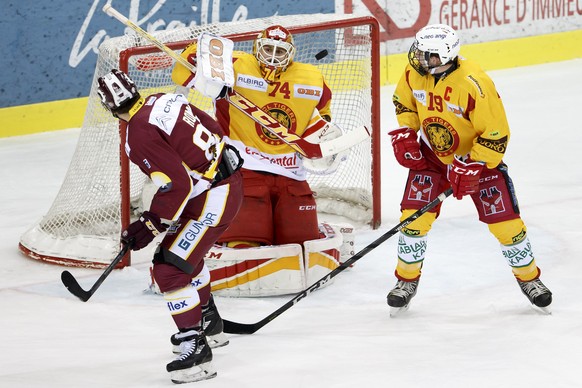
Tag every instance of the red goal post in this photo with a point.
(102, 192)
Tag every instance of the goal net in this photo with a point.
(102, 192)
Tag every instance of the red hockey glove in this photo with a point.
(143, 231)
(407, 149)
(464, 176)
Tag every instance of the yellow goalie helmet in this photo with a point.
(274, 48)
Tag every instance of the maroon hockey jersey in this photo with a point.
(178, 146)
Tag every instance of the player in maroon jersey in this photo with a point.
(182, 150)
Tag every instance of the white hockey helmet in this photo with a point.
(274, 48)
(117, 91)
(433, 41)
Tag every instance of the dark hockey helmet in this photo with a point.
(434, 46)
(117, 91)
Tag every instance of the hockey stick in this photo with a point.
(250, 328)
(311, 150)
(73, 285)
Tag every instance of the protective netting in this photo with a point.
(83, 225)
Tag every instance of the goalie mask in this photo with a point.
(274, 48)
(435, 46)
(117, 91)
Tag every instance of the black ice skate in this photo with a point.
(212, 326)
(399, 298)
(195, 360)
(537, 293)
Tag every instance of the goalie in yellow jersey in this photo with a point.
(454, 107)
(278, 206)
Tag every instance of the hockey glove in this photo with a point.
(143, 231)
(464, 176)
(407, 149)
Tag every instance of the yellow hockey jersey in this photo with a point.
(459, 114)
(292, 100)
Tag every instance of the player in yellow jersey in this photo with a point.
(453, 106)
(279, 206)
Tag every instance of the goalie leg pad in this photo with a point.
(256, 271)
(347, 231)
(322, 255)
(274, 270)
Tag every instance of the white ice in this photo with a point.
(469, 325)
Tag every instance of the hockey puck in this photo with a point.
(320, 55)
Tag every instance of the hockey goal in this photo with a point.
(102, 192)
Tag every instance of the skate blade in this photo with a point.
(217, 341)
(542, 310)
(396, 311)
(196, 373)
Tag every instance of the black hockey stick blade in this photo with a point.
(250, 328)
(241, 328)
(75, 288)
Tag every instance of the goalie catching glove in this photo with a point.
(320, 131)
(464, 176)
(143, 231)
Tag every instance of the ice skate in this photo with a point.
(212, 326)
(537, 293)
(195, 360)
(399, 298)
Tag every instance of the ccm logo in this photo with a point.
(309, 92)
(465, 171)
(309, 207)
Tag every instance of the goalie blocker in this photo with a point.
(278, 269)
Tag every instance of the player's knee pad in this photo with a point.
(508, 232)
(166, 277)
(419, 227)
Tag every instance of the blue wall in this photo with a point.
(49, 48)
